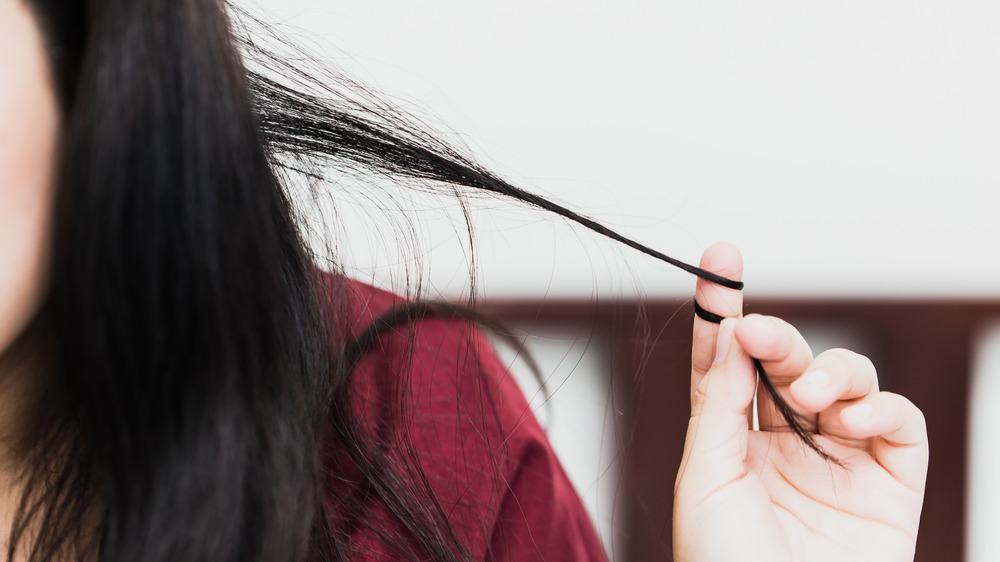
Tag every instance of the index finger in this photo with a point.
(724, 259)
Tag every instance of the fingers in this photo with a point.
(784, 354)
(839, 392)
(725, 260)
(899, 432)
(834, 381)
(717, 430)
(841, 388)
(838, 374)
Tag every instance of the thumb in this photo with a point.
(718, 425)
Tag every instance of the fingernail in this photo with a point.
(858, 413)
(816, 379)
(722, 343)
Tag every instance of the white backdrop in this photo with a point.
(848, 148)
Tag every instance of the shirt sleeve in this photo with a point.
(465, 422)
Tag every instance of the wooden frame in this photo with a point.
(922, 350)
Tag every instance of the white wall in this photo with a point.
(850, 148)
(983, 486)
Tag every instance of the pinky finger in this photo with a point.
(900, 431)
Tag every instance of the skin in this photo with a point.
(29, 132)
(29, 127)
(762, 495)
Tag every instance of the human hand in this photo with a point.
(763, 495)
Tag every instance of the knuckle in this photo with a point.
(836, 361)
(847, 361)
(701, 365)
(865, 364)
(840, 354)
(698, 396)
(909, 410)
(855, 373)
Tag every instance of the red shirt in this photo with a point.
(485, 457)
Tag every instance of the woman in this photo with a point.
(180, 383)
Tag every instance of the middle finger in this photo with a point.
(784, 355)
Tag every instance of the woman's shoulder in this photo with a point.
(437, 391)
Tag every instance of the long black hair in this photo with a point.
(192, 354)
(190, 344)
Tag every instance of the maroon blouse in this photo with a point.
(484, 454)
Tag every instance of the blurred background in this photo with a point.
(849, 149)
